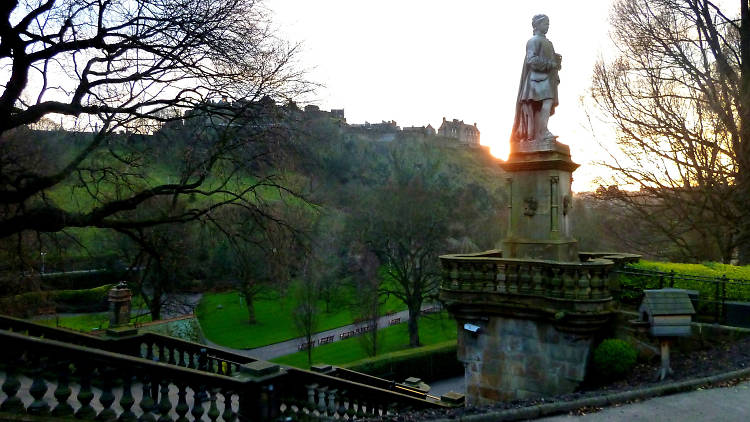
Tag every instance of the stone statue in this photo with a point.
(537, 93)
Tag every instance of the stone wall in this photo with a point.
(516, 359)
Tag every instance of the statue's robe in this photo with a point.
(539, 81)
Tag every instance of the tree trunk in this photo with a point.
(413, 327)
(250, 310)
(155, 304)
(309, 350)
(743, 160)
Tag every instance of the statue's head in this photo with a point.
(540, 23)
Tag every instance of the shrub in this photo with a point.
(614, 358)
(34, 303)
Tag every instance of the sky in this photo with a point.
(417, 61)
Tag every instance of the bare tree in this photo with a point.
(306, 314)
(679, 97)
(115, 67)
(406, 227)
(367, 302)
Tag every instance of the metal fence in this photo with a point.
(713, 298)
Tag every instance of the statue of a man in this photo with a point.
(537, 93)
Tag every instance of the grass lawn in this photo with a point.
(436, 328)
(227, 324)
(83, 322)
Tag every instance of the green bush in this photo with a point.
(85, 300)
(434, 362)
(614, 358)
(35, 303)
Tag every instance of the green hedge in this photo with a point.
(632, 285)
(434, 362)
(35, 303)
(79, 279)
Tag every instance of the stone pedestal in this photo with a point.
(539, 187)
(518, 359)
(532, 309)
(119, 305)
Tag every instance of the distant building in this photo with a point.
(338, 114)
(457, 129)
(383, 126)
(422, 130)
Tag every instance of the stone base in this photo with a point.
(513, 359)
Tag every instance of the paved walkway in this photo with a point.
(275, 350)
(716, 404)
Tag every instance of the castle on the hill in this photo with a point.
(466, 134)
(266, 112)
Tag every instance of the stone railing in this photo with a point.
(156, 377)
(574, 295)
(569, 280)
(150, 346)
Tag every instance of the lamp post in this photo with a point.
(42, 254)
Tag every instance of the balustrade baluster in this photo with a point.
(341, 409)
(322, 408)
(149, 351)
(597, 285)
(524, 279)
(584, 288)
(12, 403)
(160, 352)
(229, 415)
(454, 276)
(62, 392)
(127, 401)
(182, 407)
(360, 408)
(332, 402)
(569, 283)
(511, 278)
(38, 388)
(85, 395)
(366, 408)
(351, 412)
(148, 403)
(311, 393)
(199, 396)
(501, 281)
(165, 405)
(556, 282)
(213, 411)
(106, 398)
(537, 281)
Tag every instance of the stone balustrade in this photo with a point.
(563, 291)
(575, 280)
(148, 377)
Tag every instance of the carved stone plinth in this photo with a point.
(540, 200)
